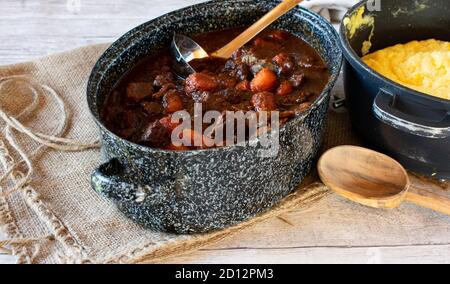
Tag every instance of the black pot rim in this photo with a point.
(132, 33)
(354, 59)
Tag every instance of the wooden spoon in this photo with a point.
(184, 49)
(373, 179)
(256, 28)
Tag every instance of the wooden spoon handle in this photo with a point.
(429, 200)
(255, 29)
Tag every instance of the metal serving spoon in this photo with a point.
(374, 180)
(184, 49)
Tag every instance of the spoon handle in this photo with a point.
(256, 28)
(429, 200)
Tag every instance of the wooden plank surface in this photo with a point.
(333, 230)
(32, 28)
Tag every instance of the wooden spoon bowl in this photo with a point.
(373, 179)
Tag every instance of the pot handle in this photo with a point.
(384, 110)
(109, 180)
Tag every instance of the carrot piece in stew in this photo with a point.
(265, 81)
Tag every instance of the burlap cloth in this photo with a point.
(47, 208)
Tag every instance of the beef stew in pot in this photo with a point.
(276, 71)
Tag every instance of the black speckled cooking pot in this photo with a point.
(410, 126)
(198, 191)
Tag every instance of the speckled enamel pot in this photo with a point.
(199, 191)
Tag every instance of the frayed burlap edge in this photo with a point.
(22, 248)
(9, 227)
(27, 249)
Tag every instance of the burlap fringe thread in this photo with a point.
(27, 249)
(21, 180)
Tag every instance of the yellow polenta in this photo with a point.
(420, 65)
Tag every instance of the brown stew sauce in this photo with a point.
(276, 71)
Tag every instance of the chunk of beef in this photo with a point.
(163, 79)
(232, 96)
(264, 101)
(200, 97)
(138, 91)
(200, 82)
(285, 88)
(297, 79)
(168, 124)
(172, 102)
(155, 135)
(152, 109)
(284, 62)
(226, 82)
(164, 90)
(236, 68)
(256, 64)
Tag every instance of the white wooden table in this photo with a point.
(332, 231)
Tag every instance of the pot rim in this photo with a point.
(354, 59)
(331, 31)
